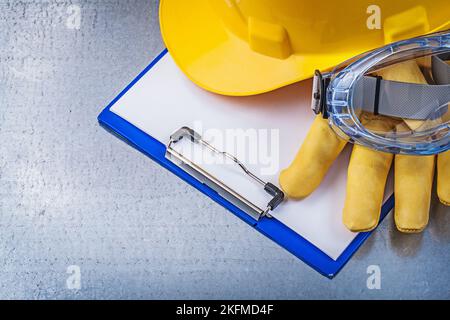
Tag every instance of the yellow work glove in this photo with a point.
(368, 170)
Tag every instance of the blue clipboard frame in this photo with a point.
(271, 228)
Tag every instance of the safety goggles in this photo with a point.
(393, 99)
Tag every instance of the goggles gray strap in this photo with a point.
(405, 100)
(440, 69)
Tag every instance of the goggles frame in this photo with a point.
(333, 97)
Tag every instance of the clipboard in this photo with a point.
(276, 228)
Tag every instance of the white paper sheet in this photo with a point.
(165, 100)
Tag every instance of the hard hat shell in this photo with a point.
(246, 47)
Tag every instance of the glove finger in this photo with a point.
(413, 186)
(319, 150)
(443, 177)
(367, 175)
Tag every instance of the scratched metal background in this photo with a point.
(72, 194)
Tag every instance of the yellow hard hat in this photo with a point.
(246, 47)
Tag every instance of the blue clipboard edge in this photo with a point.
(271, 228)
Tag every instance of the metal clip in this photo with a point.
(218, 185)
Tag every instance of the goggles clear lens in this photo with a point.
(395, 99)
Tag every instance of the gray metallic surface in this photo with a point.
(73, 194)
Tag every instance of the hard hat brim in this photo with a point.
(221, 62)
